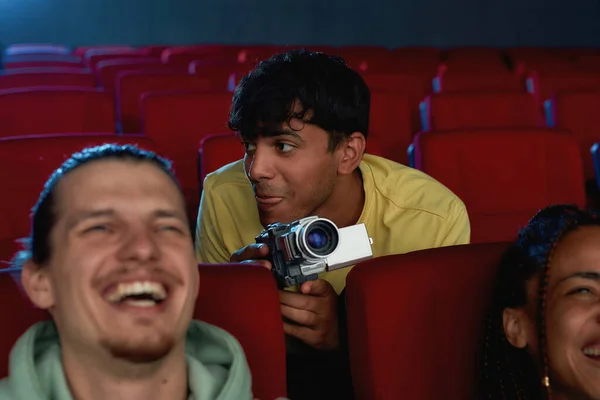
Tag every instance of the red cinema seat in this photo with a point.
(579, 112)
(223, 301)
(33, 77)
(42, 61)
(26, 162)
(50, 109)
(216, 151)
(544, 85)
(131, 85)
(107, 71)
(177, 122)
(390, 125)
(479, 110)
(416, 316)
(460, 81)
(504, 176)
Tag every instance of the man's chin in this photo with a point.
(141, 351)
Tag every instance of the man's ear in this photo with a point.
(515, 322)
(37, 284)
(352, 151)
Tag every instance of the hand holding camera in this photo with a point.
(301, 250)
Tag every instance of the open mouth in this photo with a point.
(592, 352)
(142, 294)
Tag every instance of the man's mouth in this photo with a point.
(141, 294)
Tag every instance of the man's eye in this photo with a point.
(284, 147)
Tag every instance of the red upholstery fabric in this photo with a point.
(503, 176)
(225, 291)
(415, 322)
(578, 112)
(223, 301)
(546, 84)
(479, 110)
(456, 81)
(415, 85)
(132, 84)
(51, 109)
(390, 124)
(93, 57)
(27, 77)
(177, 122)
(27, 162)
(217, 151)
(107, 71)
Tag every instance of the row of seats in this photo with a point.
(433, 289)
(26, 162)
(471, 58)
(503, 175)
(179, 119)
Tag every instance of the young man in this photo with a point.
(111, 258)
(303, 118)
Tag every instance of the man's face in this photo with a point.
(122, 273)
(292, 174)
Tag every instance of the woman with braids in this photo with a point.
(542, 335)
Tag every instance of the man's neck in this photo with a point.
(345, 205)
(92, 379)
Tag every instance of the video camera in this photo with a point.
(301, 250)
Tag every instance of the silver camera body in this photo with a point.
(301, 250)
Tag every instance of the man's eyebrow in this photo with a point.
(288, 132)
(591, 275)
(165, 213)
(85, 215)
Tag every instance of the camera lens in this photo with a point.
(321, 238)
(317, 238)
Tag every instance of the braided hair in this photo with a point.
(508, 372)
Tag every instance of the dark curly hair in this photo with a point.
(332, 96)
(507, 372)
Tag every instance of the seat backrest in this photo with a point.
(579, 112)
(93, 57)
(26, 163)
(132, 84)
(223, 301)
(504, 176)
(17, 314)
(452, 81)
(420, 315)
(27, 77)
(460, 110)
(544, 85)
(216, 151)
(177, 122)
(107, 71)
(390, 125)
(36, 48)
(63, 109)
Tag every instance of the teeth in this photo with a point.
(123, 290)
(141, 303)
(591, 351)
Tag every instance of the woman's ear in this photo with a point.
(37, 284)
(515, 322)
(352, 151)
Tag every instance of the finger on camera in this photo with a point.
(264, 263)
(251, 252)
